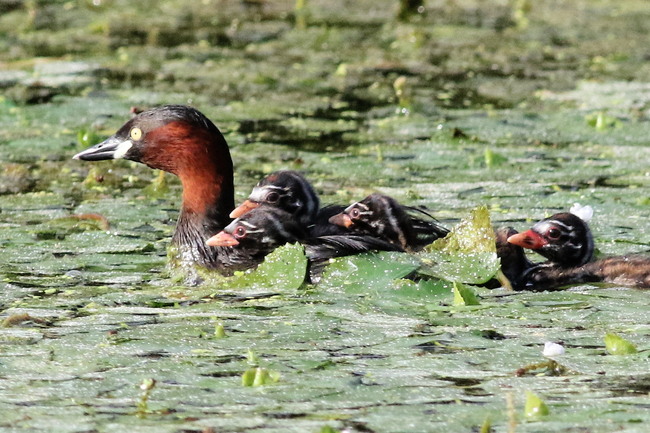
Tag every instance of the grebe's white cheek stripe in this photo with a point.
(361, 207)
(247, 224)
(251, 228)
(255, 231)
(559, 224)
(230, 227)
(257, 194)
(541, 227)
(349, 208)
(122, 149)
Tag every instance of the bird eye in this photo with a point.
(354, 213)
(554, 233)
(240, 232)
(136, 134)
(272, 197)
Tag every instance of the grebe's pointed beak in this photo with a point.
(528, 239)
(222, 239)
(111, 148)
(341, 219)
(244, 208)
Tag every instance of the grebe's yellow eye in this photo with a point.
(136, 134)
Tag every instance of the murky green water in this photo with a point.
(525, 111)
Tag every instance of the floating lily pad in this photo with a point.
(370, 272)
(283, 269)
(467, 254)
(464, 295)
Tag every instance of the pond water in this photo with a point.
(525, 107)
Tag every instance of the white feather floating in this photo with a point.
(552, 349)
(583, 212)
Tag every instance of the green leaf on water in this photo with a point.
(259, 376)
(283, 269)
(535, 406)
(486, 427)
(252, 358)
(472, 234)
(493, 159)
(616, 345)
(379, 279)
(464, 295)
(364, 272)
(219, 331)
(601, 121)
(423, 288)
(467, 254)
(248, 377)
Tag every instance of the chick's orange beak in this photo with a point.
(341, 219)
(528, 239)
(243, 209)
(222, 239)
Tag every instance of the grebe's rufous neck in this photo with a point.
(182, 141)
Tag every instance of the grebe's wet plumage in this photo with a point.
(382, 216)
(290, 191)
(262, 229)
(563, 238)
(181, 140)
(251, 237)
(287, 190)
(566, 241)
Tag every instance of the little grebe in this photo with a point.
(382, 216)
(263, 228)
(182, 141)
(287, 190)
(565, 239)
(252, 236)
(290, 191)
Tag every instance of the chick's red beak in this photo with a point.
(341, 219)
(243, 208)
(222, 239)
(528, 239)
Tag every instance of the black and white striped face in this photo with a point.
(263, 228)
(243, 230)
(277, 196)
(563, 238)
(290, 191)
(376, 215)
(356, 217)
(359, 212)
(287, 190)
